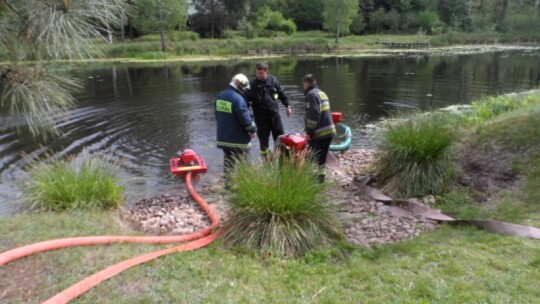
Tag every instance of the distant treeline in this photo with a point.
(271, 18)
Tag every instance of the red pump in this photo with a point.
(187, 161)
(295, 142)
(292, 144)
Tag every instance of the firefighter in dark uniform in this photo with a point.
(264, 94)
(235, 127)
(319, 124)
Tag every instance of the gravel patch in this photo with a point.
(365, 221)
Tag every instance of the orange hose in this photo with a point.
(83, 286)
(196, 240)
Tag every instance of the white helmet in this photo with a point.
(240, 82)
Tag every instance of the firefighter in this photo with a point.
(264, 94)
(235, 126)
(319, 125)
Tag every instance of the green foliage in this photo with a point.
(358, 25)
(307, 15)
(461, 206)
(279, 208)
(383, 21)
(455, 14)
(528, 21)
(415, 156)
(179, 36)
(272, 22)
(317, 42)
(90, 183)
(491, 107)
(147, 18)
(41, 95)
(428, 20)
(339, 14)
(44, 31)
(288, 27)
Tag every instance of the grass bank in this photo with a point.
(450, 265)
(500, 163)
(188, 47)
(313, 42)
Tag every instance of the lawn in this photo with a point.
(450, 265)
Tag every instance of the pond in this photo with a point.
(142, 114)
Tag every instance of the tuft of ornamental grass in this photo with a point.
(278, 208)
(415, 156)
(90, 183)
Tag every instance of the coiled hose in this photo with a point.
(191, 241)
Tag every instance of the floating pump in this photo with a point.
(337, 116)
(187, 162)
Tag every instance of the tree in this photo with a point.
(501, 10)
(46, 31)
(211, 8)
(160, 15)
(367, 7)
(338, 15)
(428, 20)
(307, 15)
(455, 13)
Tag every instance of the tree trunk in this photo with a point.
(123, 31)
(130, 26)
(212, 17)
(338, 30)
(504, 9)
(162, 25)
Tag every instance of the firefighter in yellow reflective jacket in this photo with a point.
(319, 124)
(235, 126)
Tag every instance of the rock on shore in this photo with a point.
(365, 221)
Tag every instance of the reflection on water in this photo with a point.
(143, 114)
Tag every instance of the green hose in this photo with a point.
(346, 143)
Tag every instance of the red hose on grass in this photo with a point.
(195, 240)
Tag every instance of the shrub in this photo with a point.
(288, 26)
(182, 36)
(273, 21)
(59, 185)
(415, 156)
(279, 208)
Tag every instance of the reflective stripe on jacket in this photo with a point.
(319, 123)
(234, 122)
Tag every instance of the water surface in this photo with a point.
(142, 114)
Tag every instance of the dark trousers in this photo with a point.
(267, 123)
(230, 157)
(319, 149)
